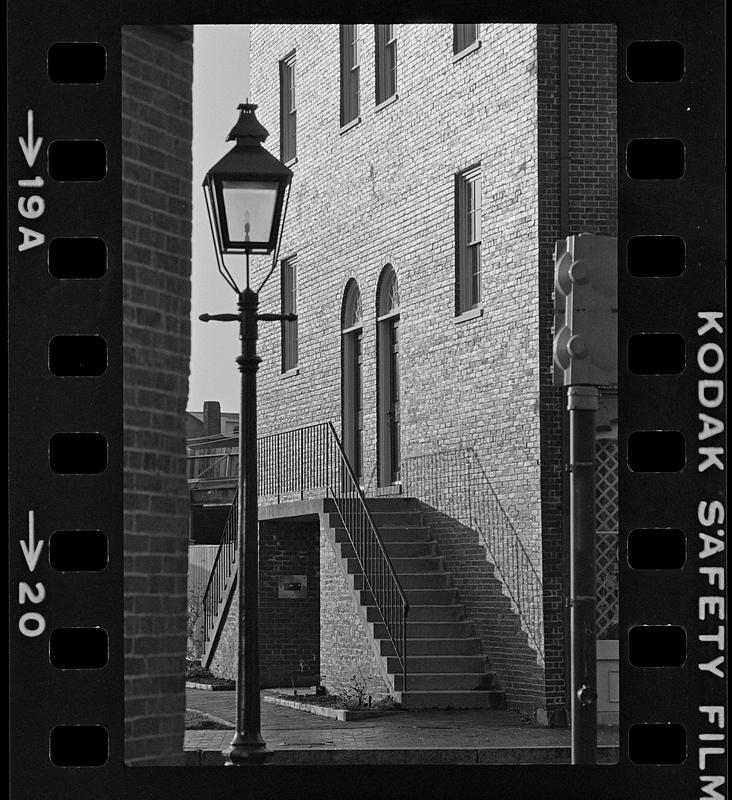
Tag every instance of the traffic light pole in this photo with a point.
(582, 402)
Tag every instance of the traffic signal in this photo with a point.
(586, 310)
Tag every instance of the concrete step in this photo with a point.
(385, 519)
(418, 597)
(414, 580)
(451, 699)
(445, 681)
(396, 549)
(438, 665)
(435, 647)
(429, 630)
(401, 533)
(391, 503)
(398, 504)
(448, 613)
(406, 566)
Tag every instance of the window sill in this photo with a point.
(471, 313)
(290, 162)
(387, 102)
(290, 373)
(352, 124)
(471, 48)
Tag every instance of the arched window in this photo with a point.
(352, 376)
(387, 376)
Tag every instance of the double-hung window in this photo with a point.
(289, 306)
(463, 36)
(349, 74)
(385, 62)
(288, 111)
(468, 239)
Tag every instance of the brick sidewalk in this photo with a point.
(469, 736)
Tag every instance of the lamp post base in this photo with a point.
(247, 750)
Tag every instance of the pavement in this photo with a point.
(472, 736)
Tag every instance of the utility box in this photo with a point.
(292, 587)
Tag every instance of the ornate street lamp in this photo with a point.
(246, 198)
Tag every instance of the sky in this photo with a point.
(220, 83)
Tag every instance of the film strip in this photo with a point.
(67, 456)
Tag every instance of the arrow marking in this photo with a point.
(30, 147)
(31, 550)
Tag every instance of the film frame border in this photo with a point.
(691, 208)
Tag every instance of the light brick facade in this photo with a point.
(383, 192)
(157, 130)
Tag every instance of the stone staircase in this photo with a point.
(445, 665)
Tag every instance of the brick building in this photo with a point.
(156, 153)
(434, 168)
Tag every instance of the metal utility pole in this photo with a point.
(582, 402)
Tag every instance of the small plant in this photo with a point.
(355, 690)
(194, 608)
(305, 677)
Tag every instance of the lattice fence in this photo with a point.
(606, 509)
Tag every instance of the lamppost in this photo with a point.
(246, 197)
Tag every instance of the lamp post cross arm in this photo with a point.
(238, 317)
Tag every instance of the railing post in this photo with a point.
(302, 463)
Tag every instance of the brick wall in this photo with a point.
(590, 206)
(383, 192)
(348, 662)
(288, 628)
(156, 151)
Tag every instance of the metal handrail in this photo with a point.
(221, 571)
(376, 567)
(454, 482)
(309, 459)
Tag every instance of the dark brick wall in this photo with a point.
(288, 628)
(156, 152)
(589, 207)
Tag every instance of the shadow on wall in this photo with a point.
(498, 582)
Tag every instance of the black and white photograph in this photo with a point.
(370, 394)
(366, 400)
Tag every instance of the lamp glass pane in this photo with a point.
(249, 208)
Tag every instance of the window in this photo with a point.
(387, 378)
(468, 237)
(463, 36)
(349, 74)
(288, 112)
(352, 377)
(289, 306)
(385, 63)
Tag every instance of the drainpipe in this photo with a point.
(564, 232)
(564, 131)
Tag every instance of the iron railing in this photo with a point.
(295, 463)
(222, 572)
(379, 576)
(455, 483)
(311, 462)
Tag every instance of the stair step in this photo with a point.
(389, 533)
(429, 630)
(396, 549)
(445, 681)
(380, 504)
(437, 664)
(435, 647)
(418, 597)
(447, 613)
(406, 566)
(385, 519)
(451, 699)
(414, 580)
